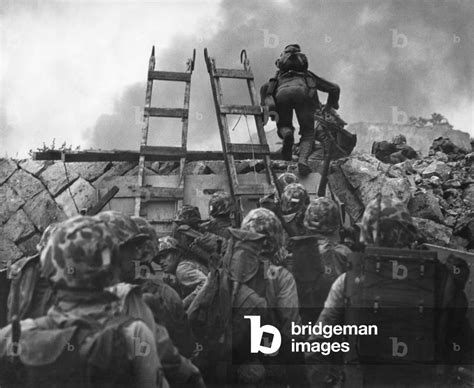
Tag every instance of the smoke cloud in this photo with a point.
(392, 59)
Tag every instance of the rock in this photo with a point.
(465, 228)
(250, 166)
(42, 210)
(217, 167)
(117, 169)
(468, 193)
(25, 184)
(450, 221)
(84, 195)
(432, 232)
(452, 183)
(340, 186)
(165, 168)
(359, 171)
(89, 171)
(441, 156)
(55, 179)
(28, 247)
(134, 171)
(7, 168)
(437, 168)
(10, 202)
(197, 168)
(18, 226)
(424, 204)
(34, 167)
(9, 252)
(435, 181)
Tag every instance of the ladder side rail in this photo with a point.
(221, 119)
(259, 124)
(185, 125)
(144, 141)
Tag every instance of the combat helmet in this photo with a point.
(167, 244)
(294, 199)
(322, 216)
(221, 204)
(287, 178)
(264, 221)
(81, 253)
(150, 247)
(386, 221)
(399, 140)
(189, 215)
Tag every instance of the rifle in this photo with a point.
(207, 257)
(336, 124)
(15, 314)
(279, 190)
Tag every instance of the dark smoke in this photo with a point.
(350, 43)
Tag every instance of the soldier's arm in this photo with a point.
(141, 347)
(287, 303)
(167, 308)
(331, 89)
(190, 276)
(177, 369)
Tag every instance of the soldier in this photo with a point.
(318, 257)
(387, 223)
(189, 215)
(276, 284)
(221, 213)
(295, 88)
(190, 274)
(164, 301)
(84, 339)
(136, 252)
(272, 201)
(294, 201)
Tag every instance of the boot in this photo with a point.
(306, 147)
(288, 141)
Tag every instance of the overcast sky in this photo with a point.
(76, 70)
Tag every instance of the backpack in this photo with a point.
(293, 60)
(315, 268)
(398, 290)
(35, 293)
(77, 354)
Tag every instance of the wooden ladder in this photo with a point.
(231, 150)
(157, 193)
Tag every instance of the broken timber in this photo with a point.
(132, 156)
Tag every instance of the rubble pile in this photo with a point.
(438, 190)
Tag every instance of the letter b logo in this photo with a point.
(256, 335)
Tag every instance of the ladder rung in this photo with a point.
(257, 149)
(241, 109)
(233, 73)
(173, 152)
(260, 189)
(167, 112)
(151, 192)
(169, 76)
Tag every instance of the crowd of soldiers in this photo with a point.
(105, 302)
